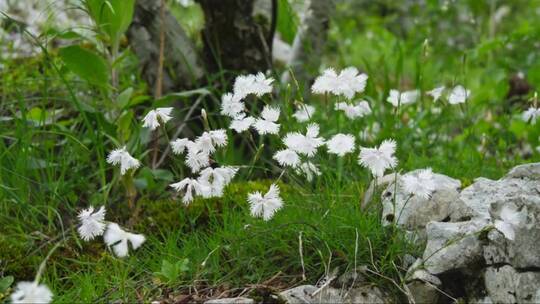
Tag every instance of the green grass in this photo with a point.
(55, 134)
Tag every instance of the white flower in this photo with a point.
(379, 159)
(209, 141)
(265, 206)
(197, 158)
(121, 157)
(326, 83)
(531, 115)
(304, 113)
(347, 83)
(153, 119)
(215, 180)
(231, 107)
(251, 84)
(242, 124)
(404, 98)
(179, 145)
(458, 95)
(305, 144)
(350, 82)
(267, 123)
(92, 223)
(436, 93)
(190, 187)
(309, 170)
(353, 111)
(420, 184)
(340, 144)
(510, 219)
(287, 157)
(31, 292)
(116, 238)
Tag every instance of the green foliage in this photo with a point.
(86, 64)
(112, 17)
(171, 271)
(287, 21)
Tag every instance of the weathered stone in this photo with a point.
(311, 294)
(364, 294)
(239, 300)
(412, 212)
(423, 292)
(452, 245)
(506, 285)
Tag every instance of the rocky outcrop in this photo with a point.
(481, 242)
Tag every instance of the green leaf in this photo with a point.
(287, 23)
(5, 283)
(123, 98)
(86, 64)
(113, 17)
(124, 126)
(171, 272)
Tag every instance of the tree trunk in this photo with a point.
(182, 66)
(233, 38)
(309, 42)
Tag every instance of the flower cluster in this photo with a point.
(93, 224)
(347, 83)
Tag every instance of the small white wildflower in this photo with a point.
(309, 170)
(340, 144)
(155, 117)
(458, 95)
(190, 187)
(262, 85)
(215, 180)
(242, 124)
(287, 157)
(209, 141)
(251, 84)
(267, 205)
(304, 113)
(179, 145)
(116, 238)
(353, 111)
(31, 292)
(305, 144)
(267, 123)
(511, 218)
(531, 115)
(124, 159)
(231, 107)
(92, 223)
(377, 160)
(197, 158)
(420, 184)
(397, 98)
(325, 83)
(436, 93)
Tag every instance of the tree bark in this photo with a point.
(182, 65)
(309, 42)
(233, 39)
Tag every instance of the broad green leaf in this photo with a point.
(123, 98)
(86, 64)
(112, 16)
(287, 21)
(124, 125)
(5, 283)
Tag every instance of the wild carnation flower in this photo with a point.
(436, 93)
(531, 115)
(340, 144)
(92, 223)
(287, 157)
(209, 141)
(510, 219)
(197, 158)
(242, 124)
(458, 95)
(347, 83)
(190, 187)
(153, 119)
(309, 170)
(231, 107)
(179, 145)
(305, 144)
(265, 206)
(304, 113)
(251, 84)
(121, 157)
(31, 292)
(420, 184)
(215, 180)
(116, 238)
(404, 98)
(353, 111)
(267, 123)
(377, 160)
